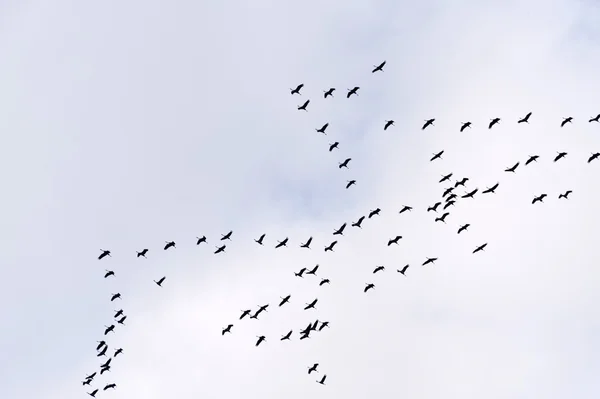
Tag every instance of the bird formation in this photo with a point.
(441, 207)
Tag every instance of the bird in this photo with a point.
(525, 119)
(480, 248)
(532, 158)
(565, 195)
(566, 120)
(307, 243)
(299, 274)
(512, 168)
(282, 243)
(461, 182)
(313, 271)
(303, 106)
(369, 286)
(143, 252)
(227, 329)
(434, 207)
(405, 208)
(403, 270)
(115, 296)
(109, 273)
(596, 119)
(328, 92)
(108, 329)
(287, 336)
(324, 281)
(378, 67)
(200, 240)
(119, 313)
(108, 386)
(491, 189)
(437, 156)
(462, 228)
(284, 300)
(226, 236)
(447, 191)
(429, 260)
(103, 351)
(445, 177)
(260, 239)
(428, 122)
(87, 382)
(159, 282)
(539, 198)
(323, 128)
(493, 122)
(358, 222)
(350, 183)
(220, 249)
(297, 89)
(313, 368)
(449, 204)
(311, 305)
(333, 146)
(118, 351)
(104, 254)
(93, 393)
(344, 164)
(394, 240)
(470, 194)
(169, 244)
(442, 218)
(323, 325)
(595, 155)
(560, 155)
(465, 125)
(322, 380)
(100, 345)
(378, 269)
(374, 212)
(122, 320)
(91, 376)
(388, 124)
(352, 91)
(245, 313)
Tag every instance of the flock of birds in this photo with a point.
(449, 198)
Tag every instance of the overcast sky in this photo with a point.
(126, 124)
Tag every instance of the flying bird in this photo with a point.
(142, 253)
(525, 119)
(565, 195)
(287, 336)
(299, 274)
(245, 313)
(350, 183)
(388, 124)
(358, 222)
(307, 243)
(330, 246)
(369, 286)
(462, 228)
(434, 207)
(378, 67)
(115, 296)
(282, 243)
(429, 260)
(311, 305)
(340, 231)
(493, 122)
(328, 92)
(437, 156)
(566, 120)
(313, 271)
(394, 240)
(512, 168)
(540, 198)
(169, 245)
(226, 236)
(595, 155)
(200, 240)
(324, 281)
(109, 273)
(374, 212)
(260, 339)
(596, 119)
(445, 177)
(461, 182)
(313, 368)
(491, 189)
(297, 89)
(227, 329)
(352, 91)
(159, 282)
(532, 158)
(220, 249)
(442, 218)
(470, 195)
(284, 300)
(344, 164)
(117, 352)
(378, 269)
(403, 270)
(333, 146)
(405, 208)
(323, 128)
(303, 106)
(428, 122)
(560, 155)
(480, 248)
(260, 239)
(104, 254)
(465, 125)
(322, 380)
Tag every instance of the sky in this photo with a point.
(129, 124)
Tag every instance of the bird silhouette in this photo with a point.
(493, 122)
(462, 228)
(428, 122)
(403, 270)
(437, 156)
(109, 273)
(388, 124)
(303, 106)
(104, 254)
(307, 243)
(566, 120)
(525, 119)
(159, 282)
(142, 253)
(368, 287)
(328, 92)
(465, 125)
(378, 67)
(358, 222)
(480, 248)
(532, 158)
(282, 243)
(512, 168)
(352, 91)
(565, 195)
(297, 89)
(333, 146)
(323, 128)
(350, 183)
(200, 240)
(220, 249)
(560, 156)
(227, 329)
(169, 244)
(491, 189)
(260, 239)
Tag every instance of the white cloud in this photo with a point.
(131, 124)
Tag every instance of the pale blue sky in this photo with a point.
(128, 124)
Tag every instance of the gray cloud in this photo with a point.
(128, 124)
